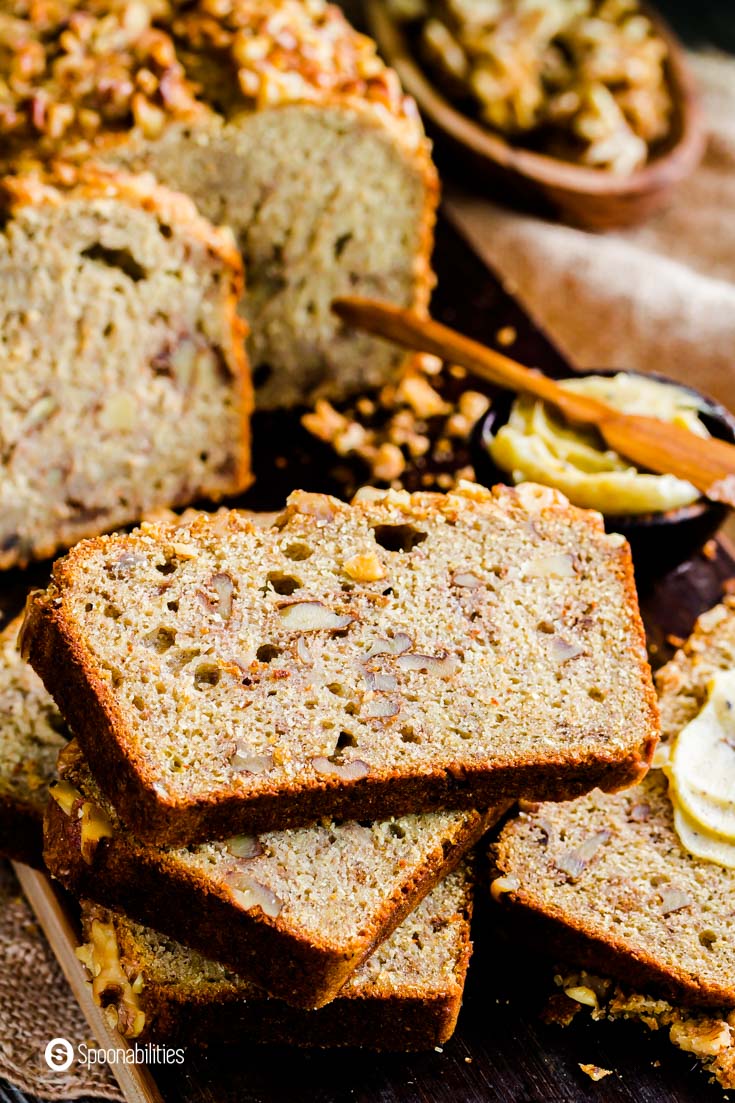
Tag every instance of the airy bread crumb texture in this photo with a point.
(401, 636)
(124, 385)
(683, 682)
(612, 869)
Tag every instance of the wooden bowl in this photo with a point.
(659, 541)
(595, 199)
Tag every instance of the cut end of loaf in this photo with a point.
(123, 301)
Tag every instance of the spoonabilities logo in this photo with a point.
(59, 1054)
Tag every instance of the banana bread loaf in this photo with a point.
(406, 996)
(31, 734)
(399, 654)
(279, 120)
(124, 384)
(294, 911)
(606, 876)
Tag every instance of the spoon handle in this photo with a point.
(425, 335)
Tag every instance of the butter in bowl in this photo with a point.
(664, 518)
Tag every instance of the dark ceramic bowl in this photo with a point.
(659, 541)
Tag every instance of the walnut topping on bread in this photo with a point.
(236, 103)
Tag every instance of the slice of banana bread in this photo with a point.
(606, 878)
(406, 996)
(295, 911)
(403, 653)
(124, 384)
(31, 734)
(280, 121)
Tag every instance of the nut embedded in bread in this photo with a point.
(606, 876)
(300, 140)
(295, 911)
(223, 678)
(124, 385)
(406, 996)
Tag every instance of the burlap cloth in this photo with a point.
(657, 297)
(36, 1005)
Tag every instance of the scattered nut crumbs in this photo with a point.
(595, 1072)
(709, 551)
(706, 1033)
(414, 433)
(506, 336)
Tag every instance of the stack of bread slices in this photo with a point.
(281, 740)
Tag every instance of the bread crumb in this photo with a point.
(595, 1072)
(506, 336)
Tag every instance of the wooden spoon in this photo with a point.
(594, 198)
(648, 442)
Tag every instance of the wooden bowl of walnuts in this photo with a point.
(584, 109)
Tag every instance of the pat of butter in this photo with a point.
(539, 446)
(701, 773)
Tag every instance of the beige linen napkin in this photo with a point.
(36, 1005)
(657, 297)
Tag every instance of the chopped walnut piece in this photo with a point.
(249, 893)
(364, 568)
(424, 400)
(101, 957)
(703, 1037)
(574, 862)
(310, 616)
(389, 462)
(95, 825)
(595, 1072)
(346, 771)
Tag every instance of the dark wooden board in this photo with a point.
(502, 1051)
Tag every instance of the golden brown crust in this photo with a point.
(362, 1015)
(153, 888)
